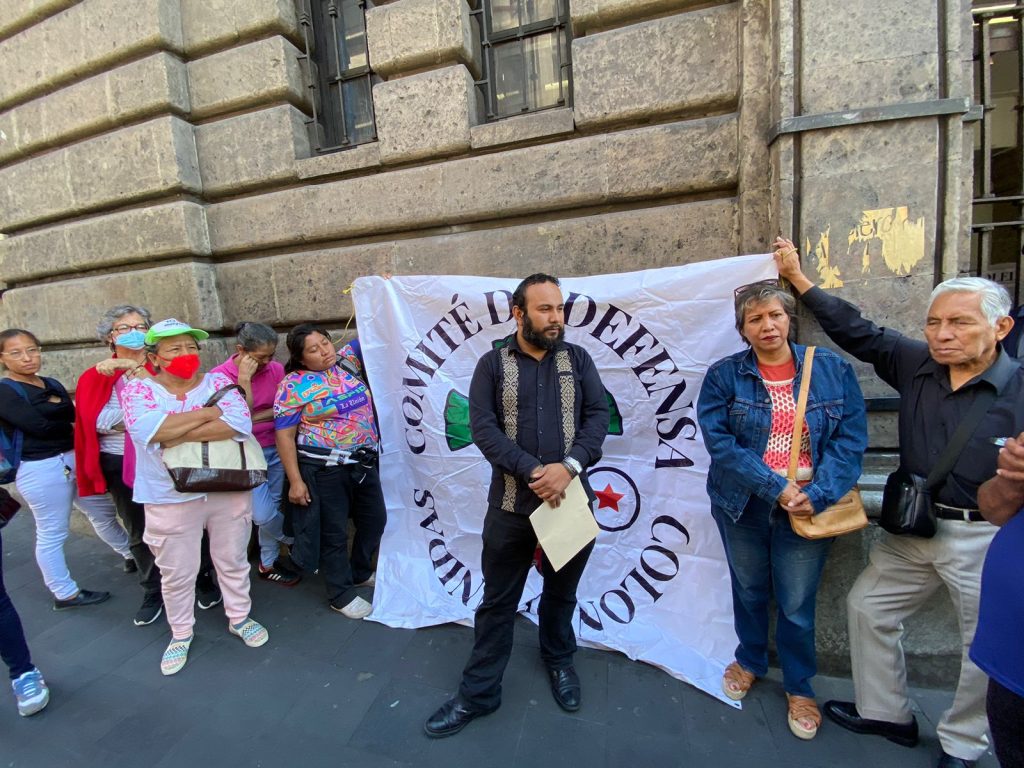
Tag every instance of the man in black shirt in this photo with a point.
(539, 416)
(937, 381)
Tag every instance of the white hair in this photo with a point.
(995, 300)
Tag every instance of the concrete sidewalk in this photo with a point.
(328, 691)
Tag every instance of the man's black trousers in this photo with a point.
(509, 544)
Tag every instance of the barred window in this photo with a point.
(526, 56)
(339, 74)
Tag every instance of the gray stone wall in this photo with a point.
(156, 152)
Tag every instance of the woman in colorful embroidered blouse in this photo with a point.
(167, 410)
(327, 440)
(746, 408)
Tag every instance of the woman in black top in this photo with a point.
(41, 410)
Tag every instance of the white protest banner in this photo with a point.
(657, 585)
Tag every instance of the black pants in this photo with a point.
(321, 528)
(133, 517)
(1006, 722)
(509, 544)
(13, 648)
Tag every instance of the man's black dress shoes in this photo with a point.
(948, 761)
(565, 687)
(844, 713)
(84, 597)
(451, 718)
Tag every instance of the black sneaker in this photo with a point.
(130, 566)
(208, 596)
(152, 607)
(279, 574)
(84, 597)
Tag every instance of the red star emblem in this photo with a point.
(608, 498)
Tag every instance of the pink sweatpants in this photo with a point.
(174, 533)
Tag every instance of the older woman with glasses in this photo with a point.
(38, 412)
(100, 446)
(746, 408)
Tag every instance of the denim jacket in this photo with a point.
(735, 415)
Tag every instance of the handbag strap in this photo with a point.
(217, 396)
(944, 465)
(801, 409)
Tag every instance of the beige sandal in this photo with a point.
(737, 681)
(803, 708)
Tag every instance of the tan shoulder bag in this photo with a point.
(847, 514)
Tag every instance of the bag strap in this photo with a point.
(217, 396)
(801, 409)
(940, 472)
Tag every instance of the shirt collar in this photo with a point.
(996, 375)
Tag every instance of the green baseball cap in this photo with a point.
(172, 327)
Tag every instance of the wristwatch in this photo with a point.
(572, 466)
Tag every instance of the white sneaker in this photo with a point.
(370, 582)
(357, 609)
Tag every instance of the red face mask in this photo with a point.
(184, 366)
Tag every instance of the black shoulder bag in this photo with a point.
(907, 499)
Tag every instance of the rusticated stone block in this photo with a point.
(18, 14)
(86, 38)
(414, 34)
(134, 163)
(896, 80)
(337, 163)
(672, 65)
(594, 14)
(268, 288)
(154, 84)
(425, 115)
(128, 237)
(209, 25)
(263, 72)
(251, 150)
(522, 128)
(645, 163)
(64, 311)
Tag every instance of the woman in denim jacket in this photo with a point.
(746, 409)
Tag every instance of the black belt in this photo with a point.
(946, 512)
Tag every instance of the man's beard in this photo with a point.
(537, 338)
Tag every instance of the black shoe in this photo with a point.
(152, 607)
(451, 718)
(948, 761)
(565, 687)
(844, 713)
(84, 597)
(279, 574)
(130, 566)
(208, 596)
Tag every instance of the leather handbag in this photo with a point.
(847, 514)
(907, 500)
(217, 466)
(9, 506)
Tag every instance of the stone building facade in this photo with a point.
(165, 153)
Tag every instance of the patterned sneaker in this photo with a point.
(31, 692)
(357, 609)
(175, 656)
(279, 574)
(252, 633)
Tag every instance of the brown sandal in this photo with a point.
(803, 708)
(740, 678)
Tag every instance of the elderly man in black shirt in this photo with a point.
(937, 381)
(539, 415)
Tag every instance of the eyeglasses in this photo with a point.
(754, 287)
(124, 328)
(24, 354)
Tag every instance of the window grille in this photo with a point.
(338, 73)
(526, 60)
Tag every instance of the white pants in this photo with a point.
(49, 489)
(903, 572)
